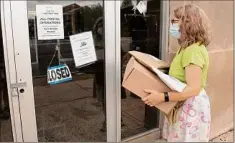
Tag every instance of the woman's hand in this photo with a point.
(153, 98)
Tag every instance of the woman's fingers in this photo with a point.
(149, 91)
(147, 101)
(150, 104)
(147, 98)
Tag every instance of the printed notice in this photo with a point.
(83, 48)
(141, 7)
(50, 22)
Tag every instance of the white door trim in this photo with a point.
(118, 66)
(164, 24)
(113, 70)
(164, 43)
(21, 55)
(11, 76)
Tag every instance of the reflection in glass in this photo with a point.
(139, 32)
(72, 111)
(5, 121)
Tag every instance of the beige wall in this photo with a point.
(220, 78)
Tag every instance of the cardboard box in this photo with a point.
(138, 76)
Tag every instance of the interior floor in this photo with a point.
(68, 112)
(5, 131)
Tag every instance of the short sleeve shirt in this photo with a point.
(194, 54)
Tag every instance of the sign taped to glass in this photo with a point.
(50, 23)
(142, 8)
(83, 49)
(58, 74)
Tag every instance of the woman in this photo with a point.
(190, 65)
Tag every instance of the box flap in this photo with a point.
(149, 61)
(129, 68)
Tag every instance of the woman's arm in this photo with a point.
(193, 75)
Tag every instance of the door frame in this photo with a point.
(153, 134)
(22, 104)
(10, 66)
(15, 38)
(113, 69)
(156, 133)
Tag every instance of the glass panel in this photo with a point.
(140, 33)
(74, 110)
(5, 121)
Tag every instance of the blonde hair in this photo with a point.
(195, 25)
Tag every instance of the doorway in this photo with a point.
(143, 32)
(76, 110)
(70, 111)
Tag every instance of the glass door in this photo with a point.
(59, 94)
(73, 110)
(144, 29)
(62, 95)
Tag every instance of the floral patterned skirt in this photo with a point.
(193, 121)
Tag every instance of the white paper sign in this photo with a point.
(142, 8)
(50, 25)
(83, 48)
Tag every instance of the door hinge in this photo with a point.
(15, 87)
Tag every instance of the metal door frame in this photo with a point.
(10, 64)
(153, 134)
(15, 37)
(113, 69)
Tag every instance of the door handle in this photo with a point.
(19, 85)
(17, 88)
(21, 90)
